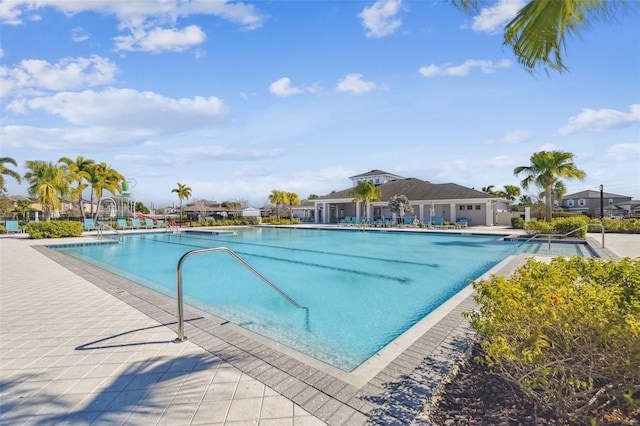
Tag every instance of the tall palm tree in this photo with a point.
(366, 192)
(80, 172)
(546, 168)
(538, 32)
(278, 197)
(48, 183)
(104, 178)
(8, 172)
(511, 192)
(292, 200)
(184, 192)
(488, 189)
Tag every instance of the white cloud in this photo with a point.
(1, 53)
(68, 73)
(158, 40)
(355, 84)
(493, 19)
(283, 88)
(601, 120)
(220, 152)
(501, 161)
(141, 113)
(150, 24)
(515, 137)
(464, 69)
(91, 139)
(79, 34)
(381, 19)
(623, 152)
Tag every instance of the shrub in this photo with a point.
(567, 333)
(568, 224)
(517, 222)
(54, 229)
(538, 227)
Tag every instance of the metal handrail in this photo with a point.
(108, 228)
(181, 337)
(564, 235)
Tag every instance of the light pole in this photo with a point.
(601, 202)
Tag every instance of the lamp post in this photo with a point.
(601, 202)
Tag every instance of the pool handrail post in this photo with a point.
(181, 337)
(568, 233)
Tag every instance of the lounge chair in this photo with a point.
(122, 224)
(389, 223)
(438, 222)
(149, 223)
(136, 224)
(462, 223)
(160, 224)
(379, 223)
(346, 221)
(11, 226)
(407, 221)
(89, 225)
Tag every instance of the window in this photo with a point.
(610, 201)
(469, 207)
(570, 203)
(582, 202)
(461, 208)
(478, 207)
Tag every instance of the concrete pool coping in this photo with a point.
(394, 395)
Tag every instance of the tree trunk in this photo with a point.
(548, 204)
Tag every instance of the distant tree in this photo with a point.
(8, 172)
(488, 189)
(366, 192)
(292, 199)
(48, 183)
(312, 197)
(511, 192)
(79, 172)
(546, 168)
(6, 205)
(23, 207)
(278, 197)
(141, 208)
(400, 205)
(538, 32)
(184, 192)
(104, 178)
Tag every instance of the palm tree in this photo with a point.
(104, 178)
(8, 172)
(184, 192)
(511, 192)
(545, 170)
(278, 197)
(292, 199)
(488, 189)
(538, 32)
(80, 172)
(366, 192)
(48, 184)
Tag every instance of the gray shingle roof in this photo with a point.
(416, 189)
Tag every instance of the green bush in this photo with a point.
(282, 221)
(517, 222)
(538, 227)
(54, 229)
(567, 333)
(631, 226)
(568, 224)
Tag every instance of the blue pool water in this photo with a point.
(362, 289)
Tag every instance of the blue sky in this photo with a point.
(237, 99)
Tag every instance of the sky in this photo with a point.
(236, 99)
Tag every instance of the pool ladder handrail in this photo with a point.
(181, 337)
(106, 226)
(564, 235)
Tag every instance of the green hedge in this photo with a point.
(567, 333)
(54, 229)
(630, 226)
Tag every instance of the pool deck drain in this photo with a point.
(301, 392)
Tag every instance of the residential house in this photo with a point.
(588, 203)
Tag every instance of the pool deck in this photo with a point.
(81, 346)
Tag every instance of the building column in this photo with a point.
(358, 209)
(325, 213)
(421, 213)
(489, 215)
(452, 212)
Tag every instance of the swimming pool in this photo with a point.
(361, 289)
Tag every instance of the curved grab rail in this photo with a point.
(106, 226)
(564, 235)
(181, 337)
